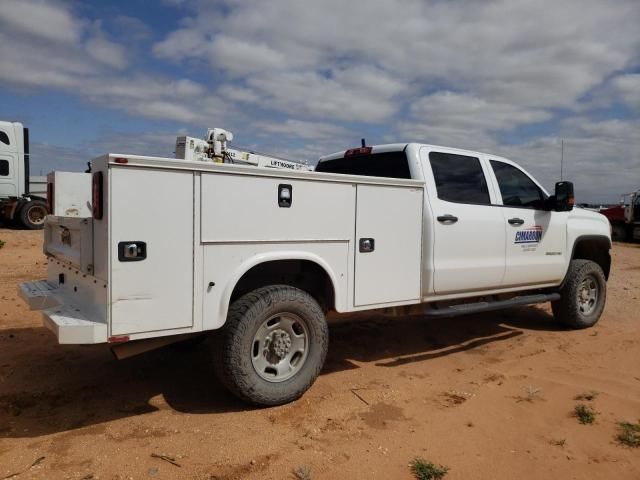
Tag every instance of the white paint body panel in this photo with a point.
(319, 210)
(538, 262)
(224, 264)
(468, 255)
(72, 194)
(155, 293)
(70, 239)
(391, 272)
(206, 225)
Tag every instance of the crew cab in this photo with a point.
(258, 257)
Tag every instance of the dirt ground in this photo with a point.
(490, 396)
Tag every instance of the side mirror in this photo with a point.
(564, 199)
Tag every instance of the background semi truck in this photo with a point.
(625, 218)
(22, 197)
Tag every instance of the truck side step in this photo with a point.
(39, 294)
(469, 308)
(72, 326)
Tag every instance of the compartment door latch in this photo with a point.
(132, 251)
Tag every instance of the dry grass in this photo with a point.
(425, 470)
(585, 414)
(629, 434)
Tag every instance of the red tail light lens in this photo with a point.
(96, 195)
(50, 192)
(354, 152)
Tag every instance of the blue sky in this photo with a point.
(302, 79)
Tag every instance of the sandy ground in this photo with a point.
(490, 396)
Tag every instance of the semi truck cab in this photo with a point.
(22, 197)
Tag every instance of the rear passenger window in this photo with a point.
(517, 189)
(4, 138)
(385, 164)
(459, 178)
(4, 168)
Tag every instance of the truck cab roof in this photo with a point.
(395, 160)
(398, 147)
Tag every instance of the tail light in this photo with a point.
(354, 152)
(96, 195)
(50, 199)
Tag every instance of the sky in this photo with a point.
(303, 79)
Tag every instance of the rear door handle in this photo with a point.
(447, 218)
(516, 221)
(367, 245)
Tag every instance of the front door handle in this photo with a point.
(447, 218)
(516, 221)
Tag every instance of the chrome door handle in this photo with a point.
(447, 218)
(516, 221)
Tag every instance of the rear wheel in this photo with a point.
(272, 346)
(583, 295)
(32, 214)
(619, 232)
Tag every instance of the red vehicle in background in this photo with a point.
(625, 218)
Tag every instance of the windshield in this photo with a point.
(386, 164)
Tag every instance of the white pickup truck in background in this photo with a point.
(258, 256)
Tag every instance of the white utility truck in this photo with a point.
(259, 256)
(22, 197)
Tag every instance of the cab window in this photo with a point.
(4, 168)
(459, 178)
(517, 189)
(4, 138)
(384, 164)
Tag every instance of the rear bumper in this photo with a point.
(71, 323)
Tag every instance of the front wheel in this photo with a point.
(272, 346)
(583, 295)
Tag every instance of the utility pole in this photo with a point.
(561, 158)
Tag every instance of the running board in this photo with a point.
(479, 307)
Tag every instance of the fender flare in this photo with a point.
(261, 258)
(576, 241)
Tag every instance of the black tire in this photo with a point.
(236, 350)
(573, 309)
(31, 215)
(619, 232)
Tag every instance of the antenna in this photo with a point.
(561, 158)
(364, 144)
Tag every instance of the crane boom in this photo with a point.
(213, 148)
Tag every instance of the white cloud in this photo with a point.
(43, 20)
(627, 88)
(106, 52)
(301, 129)
(466, 112)
(240, 57)
(533, 54)
(600, 157)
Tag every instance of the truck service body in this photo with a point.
(259, 255)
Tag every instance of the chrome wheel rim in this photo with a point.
(36, 214)
(280, 347)
(588, 295)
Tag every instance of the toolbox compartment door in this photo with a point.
(388, 245)
(70, 240)
(153, 208)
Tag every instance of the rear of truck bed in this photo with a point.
(171, 243)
